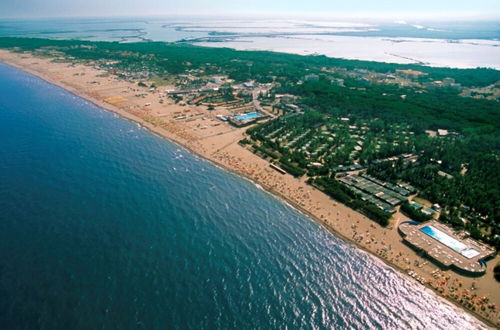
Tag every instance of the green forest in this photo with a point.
(175, 58)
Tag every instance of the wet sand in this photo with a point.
(202, 133)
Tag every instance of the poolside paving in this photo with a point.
(441, 252)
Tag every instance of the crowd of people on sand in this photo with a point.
(271, 181)
(452, 287)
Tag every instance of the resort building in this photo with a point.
(246, 119)
(447, 249)
(384, 195)
(311, 77)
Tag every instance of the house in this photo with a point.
(311, 77)
(442, 132)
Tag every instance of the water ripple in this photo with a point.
(99, 230)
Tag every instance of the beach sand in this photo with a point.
(203, 134)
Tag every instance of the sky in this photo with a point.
(452, 9)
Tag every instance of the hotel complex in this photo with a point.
(441, 244)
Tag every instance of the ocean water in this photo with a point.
(104, 225)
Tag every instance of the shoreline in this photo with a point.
(217, 160)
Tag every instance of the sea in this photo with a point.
(104, 225)
(455, 43)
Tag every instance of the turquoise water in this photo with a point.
(449, 241)
(248, 116)
(104, 225)
(455, 44)
(97, 29)
(176, 28)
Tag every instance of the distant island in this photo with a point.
(402, 160)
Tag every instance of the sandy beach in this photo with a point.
(201, 132)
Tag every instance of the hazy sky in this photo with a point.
(357, 8)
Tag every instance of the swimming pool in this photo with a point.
(247, 116)
(449, 241)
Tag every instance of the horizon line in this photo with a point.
(338, 15)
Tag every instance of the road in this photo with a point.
(256, 102)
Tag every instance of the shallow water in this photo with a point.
(104, 225)
(429, 52)
(458, 44)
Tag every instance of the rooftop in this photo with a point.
(443, 245)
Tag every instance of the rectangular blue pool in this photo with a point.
(247, 116)
(449, 241)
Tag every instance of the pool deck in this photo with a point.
(245, 119)
(444, 255)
